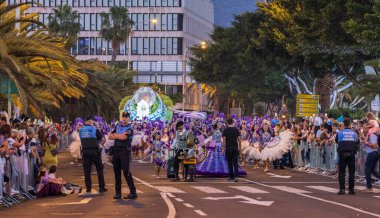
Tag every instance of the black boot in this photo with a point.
(131, 196)
(117, 195)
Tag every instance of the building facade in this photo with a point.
(157, 48)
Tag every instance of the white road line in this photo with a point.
(249, 189)
(188, 205)
(170, 195)
(169, 204)
(126, 190)
(324, 188)
(84, 201)
(362, 188)
(201, 213)
(321, 199)
(376, 196)
(169, 189)
(164, 196)
(209, 190)
(291, 190)
(178, 199)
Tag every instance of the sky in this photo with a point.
(226, 9)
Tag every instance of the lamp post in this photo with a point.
(103, 52)
(154, 22)
(203, 45)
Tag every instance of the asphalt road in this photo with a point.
(283, 193)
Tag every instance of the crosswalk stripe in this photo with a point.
(362, 188)
(169, 189)
(324, 188)
(209, 190)
(291, 190)
(376, 196)
(188, 205)
(249, 189)
(201, 213)
(126, 190)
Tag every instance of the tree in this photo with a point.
(42, 70)
(116, 28)
(64, 22)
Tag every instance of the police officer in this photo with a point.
(90, 137)
(123, 135)
(348, 143)
(179, 145)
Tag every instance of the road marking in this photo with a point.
(247, 200)
(201, 213)
(170, 195)
(291, 190)
(324, 188)
(84, 201)
(362, 188)
(321, 199)
(66, 214)
(188, 205)
(278, 176)
(126, 190)
(169, 189)
(178, 199)
(210, 182)
(209, 190)
(169, 204)
(249, 189)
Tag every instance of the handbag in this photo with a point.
(54, 151)
(41, 151)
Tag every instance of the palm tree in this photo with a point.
(42, 70)
(116, 27)
(64, 22)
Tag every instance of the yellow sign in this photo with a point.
(307, 105)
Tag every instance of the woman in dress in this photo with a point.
(255, 145)
(49, 145)
(215, 163)
(76, 145)
(266, 136)
(244, 135)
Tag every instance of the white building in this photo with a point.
(157, 48)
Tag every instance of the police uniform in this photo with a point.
(90, 137)
(122, 159)
(348, 142)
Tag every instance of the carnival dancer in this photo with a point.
(158, 152)
(244, 144)
(266, 136)
(215, 163)
(255, 145)
(75, 146)
(137, 143)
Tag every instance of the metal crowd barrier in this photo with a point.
(17, 178)
(324, 159)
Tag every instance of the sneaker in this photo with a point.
(131, 196)
(236, 179)
(351, 192)
(341, 192)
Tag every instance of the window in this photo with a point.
(52, 3)
(170, 21)
(164, 3)
(81, 21)
(146, 22)
(151, 46)
(98, 3)
(146, 3)
(157, 46)
(81, 3)
(75, 3)
(92, 45)
(140, 3)
(163, 22)
(93, 22)
(110, 3)
(134, 46)
(99, 46)
(134, 3)
(83, 45)
(87, 21)
(170, 3)
(177, 3)
(140, 22)
(128, 3)
(139, 46)
(169, 47)
(105, 3)
(98, 22)
(93, 3)
(146, 46)
(163, 46)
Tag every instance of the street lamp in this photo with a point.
(203, 45)
(103, 52)
(154, 22)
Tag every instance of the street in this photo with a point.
(279, 193)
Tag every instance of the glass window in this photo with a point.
(146, 3)
(140, 3)
(81, 21)
(81, 3)
(122, 48)
(158, 3)
(139, 46)
(110, 3)
(64, 2)
(98, 3)
(163, 22)
(93, 3)
(163, 46)
(134, 46)
(87, 21)
(152, 3)
(170, 21)
(146, 22)
(175, 45)
(151, 46)
(70, 2)
(98, 46)
(169, 47)
(117, 3)
(122, 3)
(93, 22)
(164, 3)
(146, 46)
(140, 22)
(92, 45)
(52, 3)
(75, 3)
(98, 22)
(74, 49)
(177, 3)
(105, 3)
(170, 3)
(128, 3)
(46, 3)
(175, 21)
(83, 46)
(157, 46)
(109, 46)
(134, 3)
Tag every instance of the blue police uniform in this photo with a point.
(90, 137)
(348, 142)
(122, 158)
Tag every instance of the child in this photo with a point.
(373, 125)
(158, 147)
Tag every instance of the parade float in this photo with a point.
(148, 104)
